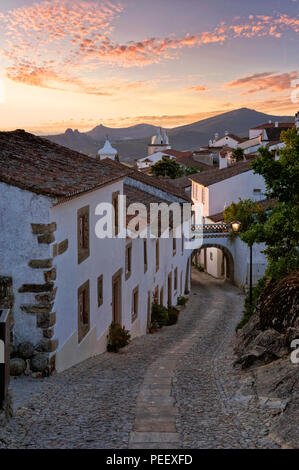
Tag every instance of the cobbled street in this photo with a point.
(173, 389)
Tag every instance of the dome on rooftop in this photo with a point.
(107, 151)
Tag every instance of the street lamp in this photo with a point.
(236, 225)
(235, 228)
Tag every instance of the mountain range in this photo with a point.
(131, 142)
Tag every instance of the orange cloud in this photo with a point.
(60, 41)
(269, 81)
(199, 88)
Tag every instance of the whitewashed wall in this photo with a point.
(18, 209)
(241, 186)
(107, 256)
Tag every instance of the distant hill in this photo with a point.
(131, 142)
(122, 133)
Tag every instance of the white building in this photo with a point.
(108, 152)
(229, 140)
(147, 162)
(68, 284)
(215, 190)
(159, 142)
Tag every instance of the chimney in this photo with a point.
(297, 121)
(276, 123)
(226, 132)
(270, 122)
(222, 161)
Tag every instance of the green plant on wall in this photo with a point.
(118, 337)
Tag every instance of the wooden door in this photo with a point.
(116, 299)
(169, 290)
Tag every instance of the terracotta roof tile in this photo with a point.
(267, 125)
(43, 167)
(159, 183)
(207, 178)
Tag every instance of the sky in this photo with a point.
(78, 63)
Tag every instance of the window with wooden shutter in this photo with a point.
(175, 279)
(135, 299)
(83, 233)
(128, 260)
(115, 204)
(100, 290)
(145, 254)
(157, 254)
(83, 311)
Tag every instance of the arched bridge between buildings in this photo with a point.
(218, 236)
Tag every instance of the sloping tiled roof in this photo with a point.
(272, 124)
(273, 133)
(43, 167)
(183, 182)
(232, 136)
(134, 195)
(159, 183)
(216, 217)
(189, 161)
(207, 178)
(178, 153)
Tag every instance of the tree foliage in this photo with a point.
(238, 154)
(166, 167)
(278, 227)
(170, 168)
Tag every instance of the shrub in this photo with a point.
(173, 315)
(181, 300)
(249, 310)
(159, 314)
(118, 337)
(186, 292)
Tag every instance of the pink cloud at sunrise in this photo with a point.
(96, 48)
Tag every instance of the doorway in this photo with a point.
(116, 298)
(169, 290)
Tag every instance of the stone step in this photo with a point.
(154, 437)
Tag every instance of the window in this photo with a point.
(173, 243)
(175, 279)
(211, 256)
(135, 303)
(128, 260)
(156, 294)
(157, 254)
(182, 243)
(100, 290)
(145, 254)
(83, 311)
(116, 212)
(83, 233)
(181, 283)
(161, 296)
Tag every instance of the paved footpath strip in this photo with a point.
(173, 389)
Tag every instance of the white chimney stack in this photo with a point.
(276, 123)
(270, 122)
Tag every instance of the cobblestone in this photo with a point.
(95, 404)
